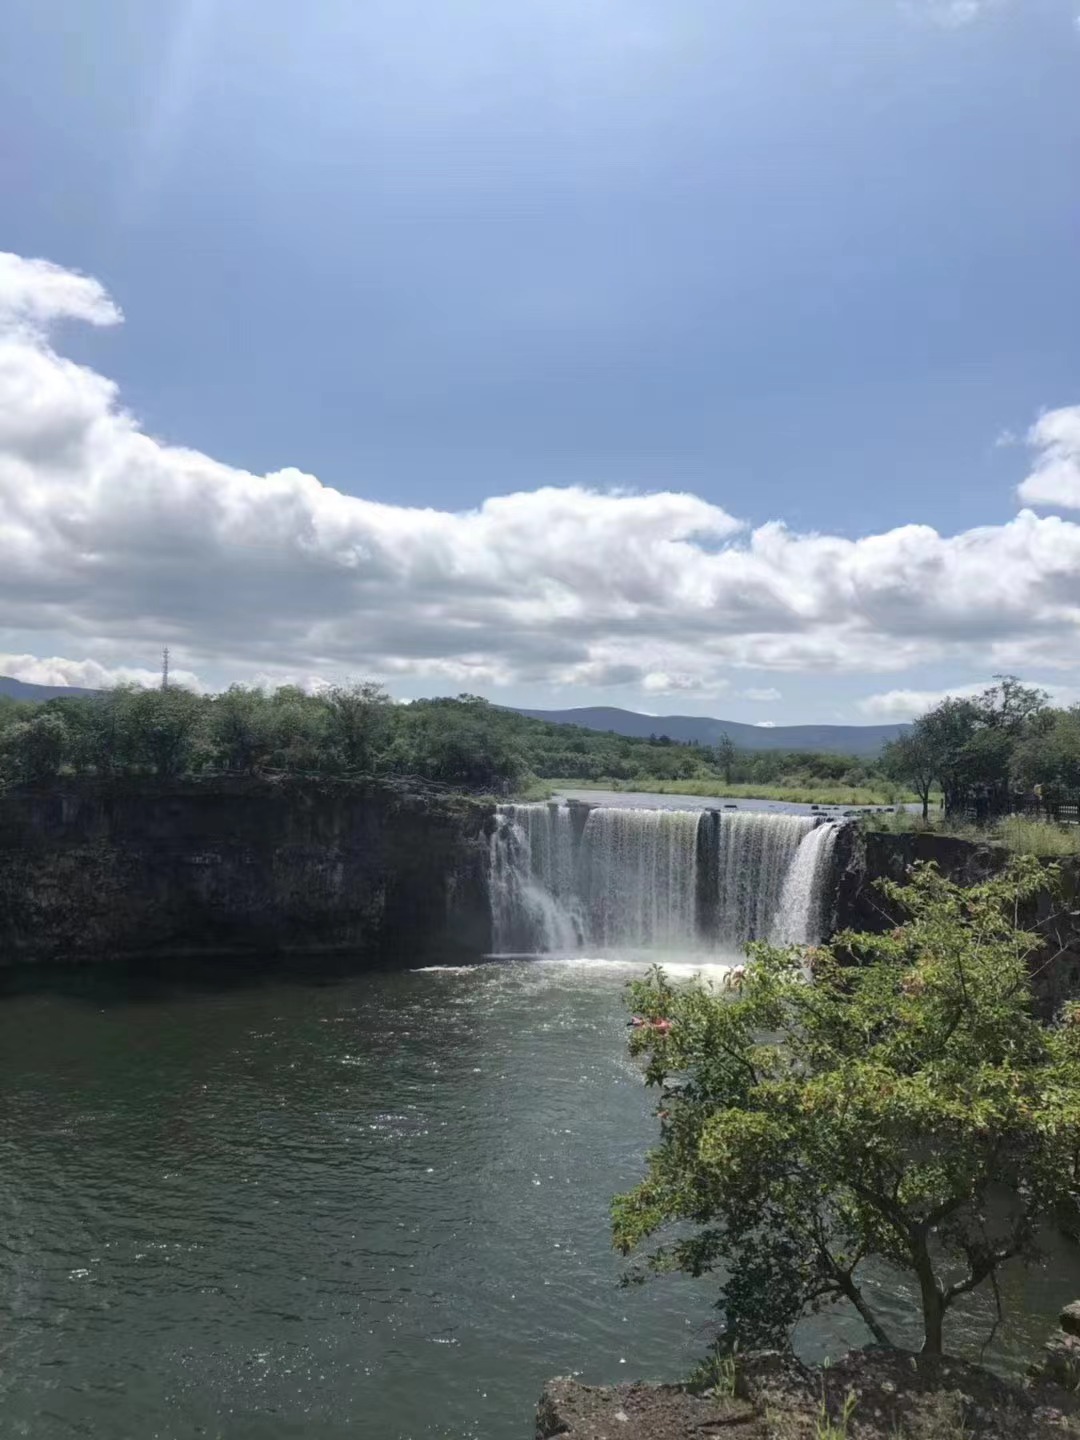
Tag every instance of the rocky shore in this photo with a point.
(874, 1394)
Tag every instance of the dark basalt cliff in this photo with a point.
(863, 857)
(92, 871)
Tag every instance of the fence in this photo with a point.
(982, 807)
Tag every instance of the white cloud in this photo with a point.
(118, 543)
(1055, 480)
(37, 292)
(951, 14)
(907, 704)
(87, 674)
(764, 695)
(660, 682)
(765, 725)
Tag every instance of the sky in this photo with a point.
(702, 357)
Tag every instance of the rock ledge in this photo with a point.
(897, 1396)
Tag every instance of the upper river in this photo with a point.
(371, 1206)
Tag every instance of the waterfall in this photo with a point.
(564, 877)
(755, 853)
(531, 880)
(639, 871)
(800, 918)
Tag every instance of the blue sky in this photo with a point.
(812, 263)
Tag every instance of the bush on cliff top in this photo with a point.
(907, 1109)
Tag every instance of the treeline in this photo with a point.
(356, 729)
(990, 752)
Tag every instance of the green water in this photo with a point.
(373, 1206)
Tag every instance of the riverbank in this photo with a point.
(823, 794)
(1019, 834)
(868, 1395)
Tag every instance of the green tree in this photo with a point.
(358, 721)
(910, 760)
(947, 732)
(34, 749)
(161, 729)
(1049, 754)
(239, 729)
(970, 741)
(726, 756)
(298, 731)
(907, 1110)
(1010, 705)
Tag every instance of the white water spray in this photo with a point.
(800, 917)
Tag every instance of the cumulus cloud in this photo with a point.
(118, 543)
(87, 674)
(37, 292)
(1055, 480)
(890, 705)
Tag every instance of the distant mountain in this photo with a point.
(842, 739)
(21, 690)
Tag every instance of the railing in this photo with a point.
(981, 808)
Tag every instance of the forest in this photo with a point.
(465, 742)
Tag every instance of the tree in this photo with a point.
(1011, 705)
(910, 760)
(34, 749)
(298, 730)
(1049, 754)
(725, 756)
(907, 1109)
(240, 729)
(162, 728)
(357, 721)
(969, 742)
(459, 742)
(946, 732)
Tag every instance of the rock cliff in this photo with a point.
(93, 871)
(864, 856)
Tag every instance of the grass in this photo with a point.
(808, 794)
(718, 1374)
(828, 1428)
(1017, 833)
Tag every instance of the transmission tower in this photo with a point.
(165, 668)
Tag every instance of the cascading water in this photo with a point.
(755, 853)
(531, 880)
(566, 877)
(800, 918)
(639, 874)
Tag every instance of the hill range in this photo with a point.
(23, 690)
(864, 740)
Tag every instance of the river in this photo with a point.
(337, 1206)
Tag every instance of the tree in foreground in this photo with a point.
(906, 1110)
